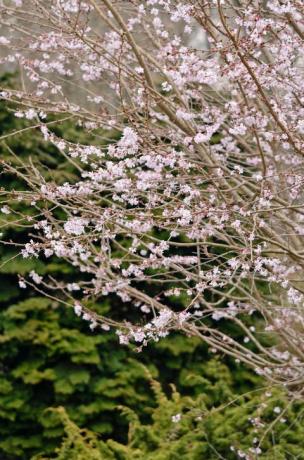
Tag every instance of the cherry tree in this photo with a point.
(192, 187)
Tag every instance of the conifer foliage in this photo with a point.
(254, 426)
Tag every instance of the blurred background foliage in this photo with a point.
(69, 393)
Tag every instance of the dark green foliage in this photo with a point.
(50, 358)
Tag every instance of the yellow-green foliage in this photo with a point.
(78, 443)
(184, 428)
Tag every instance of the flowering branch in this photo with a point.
(191, 212)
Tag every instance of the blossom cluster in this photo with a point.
(189, 203)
